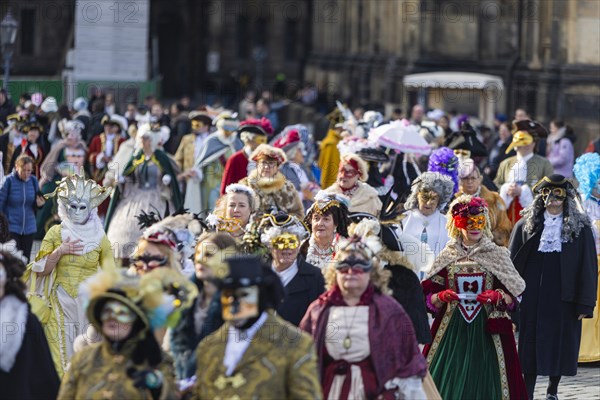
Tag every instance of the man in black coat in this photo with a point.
(303, 282)
(553, 249)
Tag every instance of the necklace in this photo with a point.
(351, 191)
(347, 343)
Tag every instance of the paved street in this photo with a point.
(584, 386)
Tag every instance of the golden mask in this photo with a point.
(285, 241)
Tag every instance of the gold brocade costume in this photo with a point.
(69, 273)
(98, 372)
(589, 349)
(280, 363)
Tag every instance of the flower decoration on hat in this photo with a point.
(444, 161)
(265, 151)
(470, 213)
(463, 210)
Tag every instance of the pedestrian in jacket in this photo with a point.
(18, 201)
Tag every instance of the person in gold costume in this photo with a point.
(70, 253)
(255, 354)
(128, 362)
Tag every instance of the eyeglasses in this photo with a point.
(347, 173)
(147, 262)
(356, 267)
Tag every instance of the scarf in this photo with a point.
(490, 257)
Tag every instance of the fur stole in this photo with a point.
(265, 185)
(490, 257)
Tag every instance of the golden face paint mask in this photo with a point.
(425, 197)
(285, 241)
(476, 222)
(520, 139)
(239, 304)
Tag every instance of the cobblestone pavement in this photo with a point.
(584, 386)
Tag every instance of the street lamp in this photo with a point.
(8, 36)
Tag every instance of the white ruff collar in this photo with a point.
(550, 240)
(13, 312)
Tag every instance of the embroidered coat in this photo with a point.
(276, 193)
(280, 363)
(97, 146)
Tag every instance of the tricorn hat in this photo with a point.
(553, 181)
(202, 116)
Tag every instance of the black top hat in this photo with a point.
(534, 128)
(466, 139)
(373, 154)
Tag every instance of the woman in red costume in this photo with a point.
(470, 289)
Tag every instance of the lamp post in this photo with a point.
(8, 36)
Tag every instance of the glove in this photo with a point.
(166, 180)
(490, 297)
(146, 378)
(447, 296)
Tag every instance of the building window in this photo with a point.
(27, 33)
(261, 31)
(243, 41)
(291, 38)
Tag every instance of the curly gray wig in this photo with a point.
(574, 218)
(430, 181)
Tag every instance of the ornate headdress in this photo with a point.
(275, 225)
(587, 172)
(464, 208)
(157, 298)
(337, 204)
(444, 161)
(77, 188)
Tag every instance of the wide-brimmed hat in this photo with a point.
(266, 151)
(202, 116)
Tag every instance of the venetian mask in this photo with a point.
(78, 211)
(356, 264)
(553, 193)
(240, 304)
(117, 311)
(476, 222)
(285, 241)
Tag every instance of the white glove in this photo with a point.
(166, 180)
(100, 161)
(121, 179)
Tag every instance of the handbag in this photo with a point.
(40, 304)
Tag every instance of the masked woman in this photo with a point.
(128, 363)
(352, 323)
(70, 253)
(353, 172)
(148, 182)
(470, 288)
